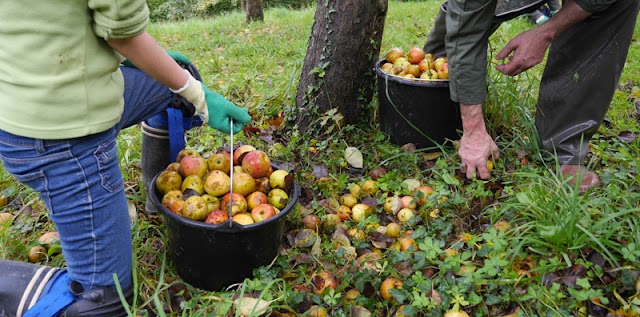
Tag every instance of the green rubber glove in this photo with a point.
(177, 56)
(221, 111)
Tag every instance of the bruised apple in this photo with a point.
(195, 208)
(278, 198)
(387, 285)
(213, 202)
(168, 180)
(216, 217)
(240, 150)
(256, 163)
(393, 54)
(263, 212)
(193, 182)
(193, 165)
(311, 221)
(256, 198)
(238, 203)
(243, 184)
(323, 280)
(217, 183)
(443, 71)
(415, 55)
(344, 212)
(277, 179)
(243, 218)
(219, 161)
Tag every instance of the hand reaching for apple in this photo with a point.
(476, 145)
(523, 52)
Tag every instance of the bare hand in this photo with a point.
(523, 52)
(475, 148)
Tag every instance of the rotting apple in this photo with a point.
(330, 221)
(387, 285)
(369, 187)
(316, 311)
(429, 74)
(239, 151)
(5, 218)
(243, 184)
(263, 212)
(243, 218)
(49, 238)
(321, 281)
(393, 54)
(278, 198)
(195, 208)
(311, 221)
(408, 243)
(421, 193)
(217, 183)
(213, 202)
(194, 182)
(168, 180)
(405, 214)
(220, 162)
(348, 200)
(193, 165)
(344, 212)
(256, 163)
(186, 152)
(256, 198)
(277, 179)
(409, 202)
(377, 172)
(360, 212)
(37, 254)
(392, 204)
(216, 217)
(393, 230)
(238, 203)
(443, 71)
(415, 55)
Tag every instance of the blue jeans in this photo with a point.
(80, 182)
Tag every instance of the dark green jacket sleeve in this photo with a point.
(594, 6)
(469, 25)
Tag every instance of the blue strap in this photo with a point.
(57, 298)
(176, 131)
(175, 121)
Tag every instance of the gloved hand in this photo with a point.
(177, 56)
(214, 108)
(221, 111)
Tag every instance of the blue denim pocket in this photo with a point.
(108, 166)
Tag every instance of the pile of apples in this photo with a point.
(200, 188)
(415, 64)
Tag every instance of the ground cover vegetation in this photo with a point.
(523, 243)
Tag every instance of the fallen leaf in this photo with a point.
(353, 157)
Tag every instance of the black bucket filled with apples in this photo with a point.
(414, 100)
(210, 250)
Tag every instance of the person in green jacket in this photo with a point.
(588, 42)
(64, 97)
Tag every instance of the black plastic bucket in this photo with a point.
(417, 111)
(212, 257)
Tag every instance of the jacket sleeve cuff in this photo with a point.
(116, 21)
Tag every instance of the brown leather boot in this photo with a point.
(574, 173)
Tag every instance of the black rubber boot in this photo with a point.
(581, 75)
(155, 157)
(19, 285)
(98, 302)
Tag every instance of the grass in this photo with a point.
(523, 242)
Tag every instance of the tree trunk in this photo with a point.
(338, 68)
(254, 9)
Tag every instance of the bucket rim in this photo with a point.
(409, 81)
(222, 227)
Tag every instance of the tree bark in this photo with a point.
(254, 9)
(338, 68)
